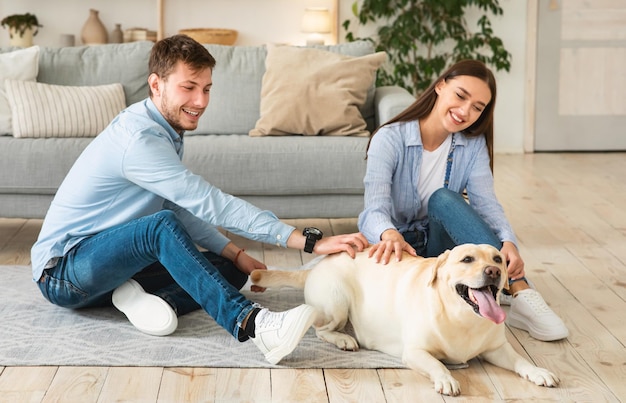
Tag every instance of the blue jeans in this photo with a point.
(157, 252)
(451, 222)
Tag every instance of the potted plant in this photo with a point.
(423, 37)
(22, 28)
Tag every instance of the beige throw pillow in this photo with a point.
(46, 110)
(312, 92)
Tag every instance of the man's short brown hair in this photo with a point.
(167, 52)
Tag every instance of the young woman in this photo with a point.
(429, 186)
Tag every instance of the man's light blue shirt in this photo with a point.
(391, 196)
(133, 169)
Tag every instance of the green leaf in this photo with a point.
(423, 37)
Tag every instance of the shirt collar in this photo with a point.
(414, 135)
(158, 117)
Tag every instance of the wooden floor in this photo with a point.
(568, 211)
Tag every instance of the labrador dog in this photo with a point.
(430, 312)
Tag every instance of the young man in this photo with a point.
(128, 216)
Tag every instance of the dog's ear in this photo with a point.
(441, 260)
(505, 273)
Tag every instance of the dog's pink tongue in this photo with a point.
(488, 307)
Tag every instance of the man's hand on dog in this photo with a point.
(349, 243)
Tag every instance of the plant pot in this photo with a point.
(24, 41)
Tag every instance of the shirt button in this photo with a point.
(279, 237)
(250, 229)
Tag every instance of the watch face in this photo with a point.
(312, 232)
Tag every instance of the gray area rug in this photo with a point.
(34, 332)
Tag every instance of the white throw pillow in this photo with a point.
(22, 65)
(46, 110)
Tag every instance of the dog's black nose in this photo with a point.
(493, 271)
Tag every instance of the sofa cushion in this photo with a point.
(37, 166)
(313, 91)
(125, 63)
(46, 110)
(20, 64)
(278, 166)
(236, 93)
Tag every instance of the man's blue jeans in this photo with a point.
(157, 252)
(451, 221)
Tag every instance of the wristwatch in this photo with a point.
(312, 235)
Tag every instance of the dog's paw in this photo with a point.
(347, 343)
(341, 340)
(447, 385)
(541, 377)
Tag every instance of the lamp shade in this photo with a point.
(316, 20)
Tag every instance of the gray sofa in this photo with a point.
(293, 176)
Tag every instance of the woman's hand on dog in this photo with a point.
(391, 242)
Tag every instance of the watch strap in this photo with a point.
(310, 244)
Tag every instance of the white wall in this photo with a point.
(270, 21)
(510, 112)
(258, 22)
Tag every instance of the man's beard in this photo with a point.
(172, 116)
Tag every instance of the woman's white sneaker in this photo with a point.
(148, 313)
(278, 333)
(530, 312)
(505, 299)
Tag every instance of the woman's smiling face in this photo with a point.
(460, 102)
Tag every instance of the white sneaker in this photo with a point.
(278, 333)
(530, 312)
(148, 313)
(505, 299)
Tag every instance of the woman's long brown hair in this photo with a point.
(424, 104)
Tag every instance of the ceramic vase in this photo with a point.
(23, 41)
(117, 36)
(94, 32)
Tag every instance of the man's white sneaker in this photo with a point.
(148, 313)
(278, 333)
(530, 312)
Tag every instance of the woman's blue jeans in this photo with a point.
(451, 221)
(157, 252)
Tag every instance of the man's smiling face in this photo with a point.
(183, 96)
